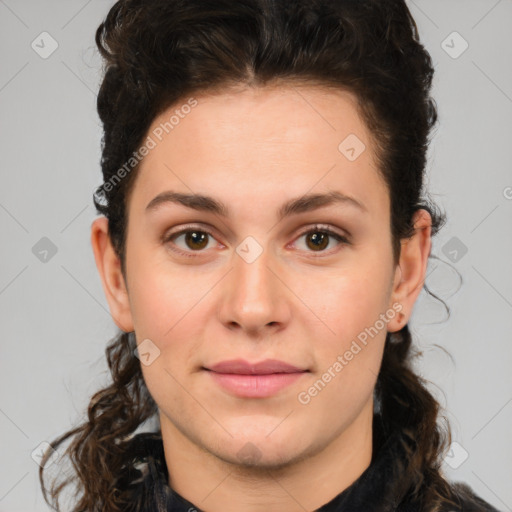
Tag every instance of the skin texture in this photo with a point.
(253, 150)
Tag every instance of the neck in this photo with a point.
(215, 485)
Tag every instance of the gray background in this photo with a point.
(54, 316)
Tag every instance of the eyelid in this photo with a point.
(325, 228)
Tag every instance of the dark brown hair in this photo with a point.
(160, 52)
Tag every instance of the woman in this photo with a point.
(265, 235)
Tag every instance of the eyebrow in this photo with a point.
(306, 203)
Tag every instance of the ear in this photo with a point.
(109, 268)
(411, 269)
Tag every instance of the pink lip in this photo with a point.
(257, 380)
(268, 366)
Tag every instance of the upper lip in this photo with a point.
(266, 367)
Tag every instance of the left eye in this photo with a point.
(318, 238)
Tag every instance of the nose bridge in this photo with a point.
(253, 279)
(255, 294)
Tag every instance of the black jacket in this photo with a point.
(146, 486)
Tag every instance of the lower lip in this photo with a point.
(255, 386)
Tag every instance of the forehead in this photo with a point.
(264, 144)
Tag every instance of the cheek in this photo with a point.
(161, 299)
(170, 309)
(347, 362)
(353, 308)
(347, 301)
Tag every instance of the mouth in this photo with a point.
(266, 367)
(254, 380)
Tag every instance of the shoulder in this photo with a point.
(467, 500)
(459, 498)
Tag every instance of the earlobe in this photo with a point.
(411, 270)
(109, 268)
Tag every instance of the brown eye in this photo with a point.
(317, 239)
(195, 240)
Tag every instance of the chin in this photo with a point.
(255, 457)
(261, 445)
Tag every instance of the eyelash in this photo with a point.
(315, 229)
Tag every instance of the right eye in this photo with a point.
(194, 238)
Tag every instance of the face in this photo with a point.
(309, 285)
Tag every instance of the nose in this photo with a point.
(254, 297)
